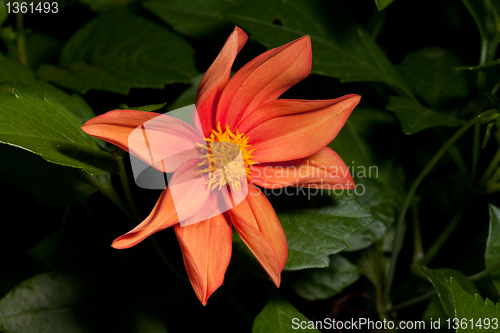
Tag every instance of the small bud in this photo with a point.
(488, 116)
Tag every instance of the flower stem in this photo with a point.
(21, 39)
(126, 186)
(400, 224)
(445, 234)
(491, 167)
(418, 251)
(485, 273)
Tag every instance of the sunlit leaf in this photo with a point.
(479, 315)
(39, 123)
(440, 279)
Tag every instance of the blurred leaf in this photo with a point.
(13, 71)
(486, 16)
(120, 50)
(147, 108)
(474, 310)
(42, 125)
(314, 235)
(50, 183)
(381, 4)
(415, 118)
(188, 96)
(3, 13)
(341, 46)
(279, 316)
(104, 5)
(40, 48)
(440, 279)
(492, 255)
(77, 303)
(431, 75)
(323, 283)
(194, 18)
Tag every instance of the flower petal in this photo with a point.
(161, 217)
(183, 198)
(258, 226)
(206, 249)
(162, 141)
(293, 129)
(215, 79)
(325, 169)
(263, 80)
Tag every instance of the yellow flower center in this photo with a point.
(226, 158)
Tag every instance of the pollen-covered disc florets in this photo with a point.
(226, 158)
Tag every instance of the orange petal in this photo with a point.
(161, 217)
(263, 80)
(259, 227)
(325, 169)
(293, 129)
(215, 79)
(185, 196)
(162, 141)
(206, 249)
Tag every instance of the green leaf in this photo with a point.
(435, 311)
(13, 71)
(42, 125)
(120, 50)
(381, 4)
(492, 255)
(381, 181)
(415, 118)
(431, 75)
(314, 235)
(50, 183)
(440, 279)
(323, 283)
(61, 302)
(474, 310)
(3, 13)
(188, 96)
(341, 46)
(147, 108)
(194, 18)
(104, 5)
(279, 316)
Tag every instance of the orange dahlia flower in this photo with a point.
(276, 138)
